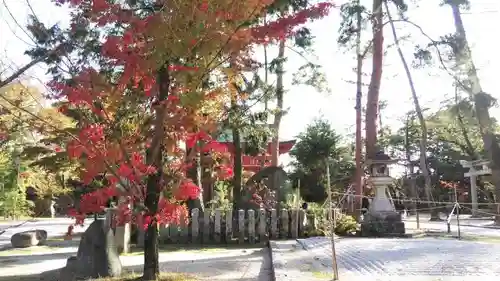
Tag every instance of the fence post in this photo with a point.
(206, 226)
(295, 224)
(164, 232)
(251, 226)
(302, 222)
(241, 226)
(217, 223)
(184, 232)
(229, 226)
(195, 225)
(284, 223)
(458, 221)
(274, 224)
(173, 230)
(262, 225)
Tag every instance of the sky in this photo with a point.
(304, 104)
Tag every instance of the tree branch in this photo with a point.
(440, 56)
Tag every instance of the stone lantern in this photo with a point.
(382, 218)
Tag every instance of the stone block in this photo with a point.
(29, 238)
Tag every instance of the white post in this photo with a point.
(473, 192)
(331, 217)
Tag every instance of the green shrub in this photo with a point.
(13, 204)
(345, 225)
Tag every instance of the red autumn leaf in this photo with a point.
(103, 146)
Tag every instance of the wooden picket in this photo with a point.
(224, 226)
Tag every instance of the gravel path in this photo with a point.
(388, 259)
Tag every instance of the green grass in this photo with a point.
(321, 275)
(163, 277)
(193, 248)
(22, 218)
(27, 251)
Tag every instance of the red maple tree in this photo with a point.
(162, 56)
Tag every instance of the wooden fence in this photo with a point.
(226, 226)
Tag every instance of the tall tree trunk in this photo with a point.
(463, 129)
(154, 157)
(266, 99)
(236, 192)
(277, 119)
(380, 124)
(359, 95)
(482, 100)
(411, 169)
(238, 168)
(279, 102)
(372, 101)
(423, 127)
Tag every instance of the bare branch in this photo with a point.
(434, 44)
(17, 23)
(20, 72)
(29, 65)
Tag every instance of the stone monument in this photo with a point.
(381, 218)
(97, 255)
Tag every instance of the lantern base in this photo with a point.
(383, 224)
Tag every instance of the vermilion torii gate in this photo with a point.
(476, 168)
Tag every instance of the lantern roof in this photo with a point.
(380, 158)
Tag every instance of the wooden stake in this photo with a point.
(332, 223)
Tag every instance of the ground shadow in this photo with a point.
(17, 260)
(52, 275)
(255, 266)
(51, 243)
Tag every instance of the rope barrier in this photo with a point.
(419, 209)
(416, 200)
(481, 211)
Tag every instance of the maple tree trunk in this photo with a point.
(482, 100)
(375, 80)
(154, 157)
(359, 95)
(238, 168)
(423, 126)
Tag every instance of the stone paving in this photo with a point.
(387, 259)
